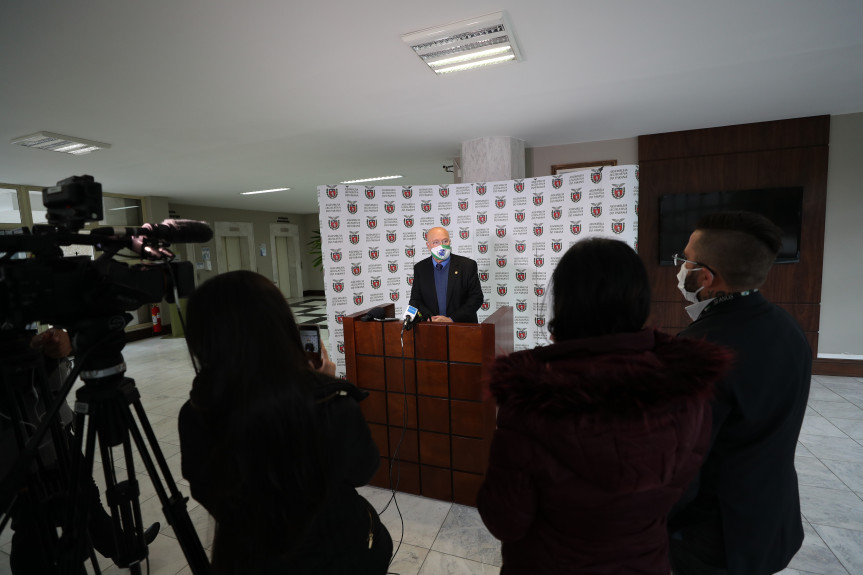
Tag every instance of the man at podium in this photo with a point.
(446, 286)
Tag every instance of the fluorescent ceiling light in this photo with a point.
(123, 208)
(371, 179)
(60, 143)
(264, 191)
(467, 44)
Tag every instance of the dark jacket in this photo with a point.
(748, 494)
(463, 291)
(337, 539)
(596, 440)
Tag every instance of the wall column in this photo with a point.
(492, 159)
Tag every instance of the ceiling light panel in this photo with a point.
(60, 143)
(465, 45)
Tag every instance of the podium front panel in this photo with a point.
(433, 414)
(436, 482)
(396, 403)
(466, 381)
(432, 378)
(467, 418)
(409, 448)
(401, 375)
(440, 377)
(465, 343)
(435, 449)
(370, 372)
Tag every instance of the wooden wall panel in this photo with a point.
(752, 156)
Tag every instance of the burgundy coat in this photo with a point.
(597, 439)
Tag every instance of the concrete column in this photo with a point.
(492, 159)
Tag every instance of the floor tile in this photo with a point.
(849, 472)
(464, 535)
(821, 393)
(851, 427)
(811, 471)
(815, 556)
(839, 448)
(441, 564)
(846, 544)
(818, 425)
(831, 507)
(408, 559)
(830, 409)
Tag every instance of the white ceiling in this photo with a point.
(204, 99)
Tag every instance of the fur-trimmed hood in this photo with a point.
(592, 405)
(616, 376)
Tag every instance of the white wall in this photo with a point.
(538, 161)
(841, 332)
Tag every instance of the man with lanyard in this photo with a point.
(742, 514)
(446, 286)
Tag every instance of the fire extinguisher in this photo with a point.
(157, 319)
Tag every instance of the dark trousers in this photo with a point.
(685, 561)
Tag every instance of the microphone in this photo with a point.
(412, 316)
(172, 231)
(374, 313)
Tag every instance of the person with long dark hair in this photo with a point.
(599, 433)
(271, 447)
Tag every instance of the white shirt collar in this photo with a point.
(695, 309)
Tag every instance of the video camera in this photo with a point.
(51, 288)
(91, 299)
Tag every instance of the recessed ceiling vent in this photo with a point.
(466, 45)
(60, 143)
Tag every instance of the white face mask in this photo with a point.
(440, 253)
(690, 296)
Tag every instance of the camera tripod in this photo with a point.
(103, 409)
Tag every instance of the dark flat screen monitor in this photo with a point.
(678, 214)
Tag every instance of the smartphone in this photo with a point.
(310, 336)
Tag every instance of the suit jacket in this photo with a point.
(746, 494)
(463, 292)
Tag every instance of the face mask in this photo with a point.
(440, 253)
(690, 296)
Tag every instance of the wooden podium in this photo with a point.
(436, 391)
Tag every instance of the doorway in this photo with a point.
(287, 263)
(235, 248)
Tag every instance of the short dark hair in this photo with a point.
(599, 287)
(740, 246)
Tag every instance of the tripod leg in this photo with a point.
(174, 506)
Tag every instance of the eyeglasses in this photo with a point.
(678, 260)
(436, 243)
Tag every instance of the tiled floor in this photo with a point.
(445, 538)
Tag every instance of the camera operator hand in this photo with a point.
(327, 366)
(53, 343)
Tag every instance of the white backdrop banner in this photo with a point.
(516, 231)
